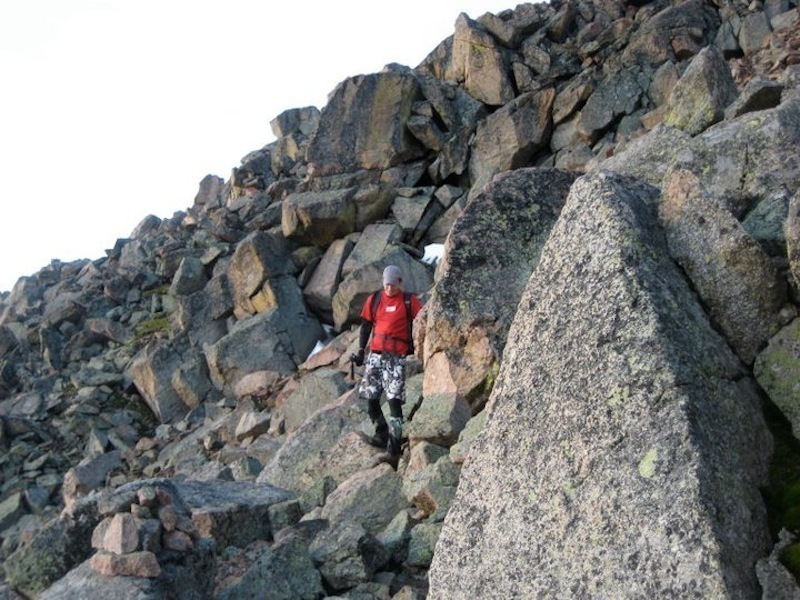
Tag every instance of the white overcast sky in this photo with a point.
(111, 110)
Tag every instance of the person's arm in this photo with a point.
(363, 336)
(364, 332)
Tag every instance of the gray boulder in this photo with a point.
(625, 455)
(202, 315)
(320, 288)
(735, 278)
(511, 137)
(777, 370)
(767, 223)
(373, 242)
(422, 544)
(326, 444)
(314, 391)
(274, 342)
(702, 94)
(363, 126)
(86, 583)
(258, 258)
(318, 218)
(347, 555)
(151, 371)
(618, 95)
(479, 285)
(722, 157)
(485, 73)
(232, 512)
(758, 94)
(295, 120)
(676, 32)
(371, 497)
(754, 32)
(440, 419)
(283, 571)
(189, 278)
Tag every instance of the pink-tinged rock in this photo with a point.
(99, 533)
(146, 443)
(177, 541)
(141, 512)
(169, 517)
(325, 357)
(122, 535)
(164, 497)
(252, 424)
(136, 564)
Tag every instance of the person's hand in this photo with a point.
(358, 358)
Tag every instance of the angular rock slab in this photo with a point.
(737, 281)
(623, 457)
(363, 125)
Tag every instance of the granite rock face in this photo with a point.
(632, 410)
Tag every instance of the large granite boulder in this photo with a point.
(318, 218)
(625, 454)
(511, 137)
(258, 258)
(618, 95)
(151, 371)
(274, 342)
(314, 391)
(479, 285)
(326, 444)
(472, 56)
(363, 126)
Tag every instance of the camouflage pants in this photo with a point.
(383, 372)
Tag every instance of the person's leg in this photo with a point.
(371, 388)
(395, 427)
(394, 383)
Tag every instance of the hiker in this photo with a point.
(387, 315)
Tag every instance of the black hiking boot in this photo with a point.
(395, 442)
(379, 439)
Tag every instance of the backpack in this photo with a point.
(376, 299)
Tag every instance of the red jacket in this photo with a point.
(390, 326)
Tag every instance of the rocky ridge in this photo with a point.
(179, 419)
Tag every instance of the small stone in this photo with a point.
(178, 541)
(168, 517)
(136, 564)
(164, 497)
(147, 496)
(146, 443)
(99, 533)
(122, 535)
(141, 512)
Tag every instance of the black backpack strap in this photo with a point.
(376, 300)
(409, 321)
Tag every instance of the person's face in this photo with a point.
(391, 289)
